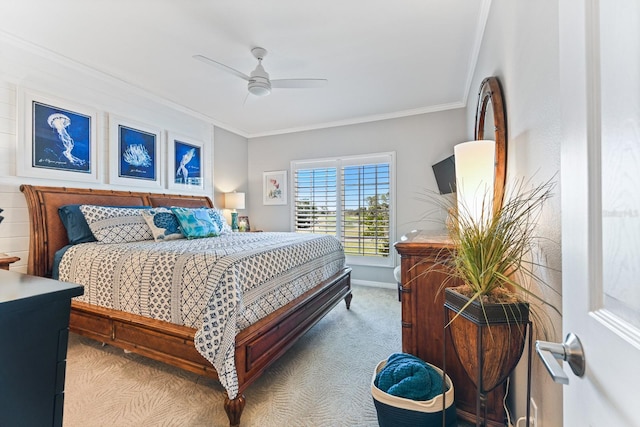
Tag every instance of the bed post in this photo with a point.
(234, 408)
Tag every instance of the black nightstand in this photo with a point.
(34, 332)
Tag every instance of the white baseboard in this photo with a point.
(373, 284)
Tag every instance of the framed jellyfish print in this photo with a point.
(57, 139)
(188, 164)
(135, 153)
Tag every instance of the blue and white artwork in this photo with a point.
(188, 164)
(61, 139)
(137, 153)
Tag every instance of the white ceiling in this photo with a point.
(382, 58)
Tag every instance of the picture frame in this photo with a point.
(274, 188)
(135, 154)
(245, 219)
(57, 138)
(188, 165)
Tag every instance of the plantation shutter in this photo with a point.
(365, 209)
(351, 198)
(315, 198)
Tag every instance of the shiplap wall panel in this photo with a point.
(7, 125)
(10, 199)
(8, 92)
(14, 230)
(7, 139)
(7, 165)
(7, 111)
(17, 227)
(42, 72)
(7, 130)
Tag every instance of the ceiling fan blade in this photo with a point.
(245, 99)
(221, 66)
(298, 83)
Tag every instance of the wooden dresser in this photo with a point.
(423, 320)
(34, 321)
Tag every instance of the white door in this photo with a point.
(600, 186)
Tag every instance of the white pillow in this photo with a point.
(111, 224)
(218, 217)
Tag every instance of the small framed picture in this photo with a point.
(187, 163)
(274, 188)
(135, 155)
(243, 223)
(58, 139)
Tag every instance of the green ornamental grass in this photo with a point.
(491, 255)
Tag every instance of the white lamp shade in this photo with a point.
(475, 174)
(234, 200)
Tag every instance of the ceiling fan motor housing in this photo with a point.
(259, 83)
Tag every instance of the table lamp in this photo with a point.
(234, 201)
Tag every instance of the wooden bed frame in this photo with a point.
(257, 346)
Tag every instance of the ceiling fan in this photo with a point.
(258, 81)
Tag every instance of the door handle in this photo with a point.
(570, 350)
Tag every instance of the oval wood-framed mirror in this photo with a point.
(491, 125)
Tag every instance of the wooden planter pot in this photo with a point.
(488, 339)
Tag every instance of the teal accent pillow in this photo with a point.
(196, 223)
(163, 223)
(78, 230)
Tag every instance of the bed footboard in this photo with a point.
(261, 344)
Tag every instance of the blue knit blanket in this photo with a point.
(407, 376)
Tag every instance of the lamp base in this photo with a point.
(234, 221)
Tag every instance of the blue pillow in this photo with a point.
(196, 223)
(218, 218)
(78, 230)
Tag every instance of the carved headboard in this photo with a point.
(47, 234)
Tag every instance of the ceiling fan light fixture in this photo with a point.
(259, 88)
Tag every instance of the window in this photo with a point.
(351, 198)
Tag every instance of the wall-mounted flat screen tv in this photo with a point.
(445, 172)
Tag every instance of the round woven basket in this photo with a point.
(394, 411)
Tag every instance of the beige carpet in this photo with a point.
(324, 380)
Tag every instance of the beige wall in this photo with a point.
(229, 164)
(418, 141)
(520, 46)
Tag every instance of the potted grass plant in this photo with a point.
(491, 256)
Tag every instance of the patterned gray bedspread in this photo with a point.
(217, 285)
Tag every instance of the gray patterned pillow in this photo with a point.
(115, 224)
